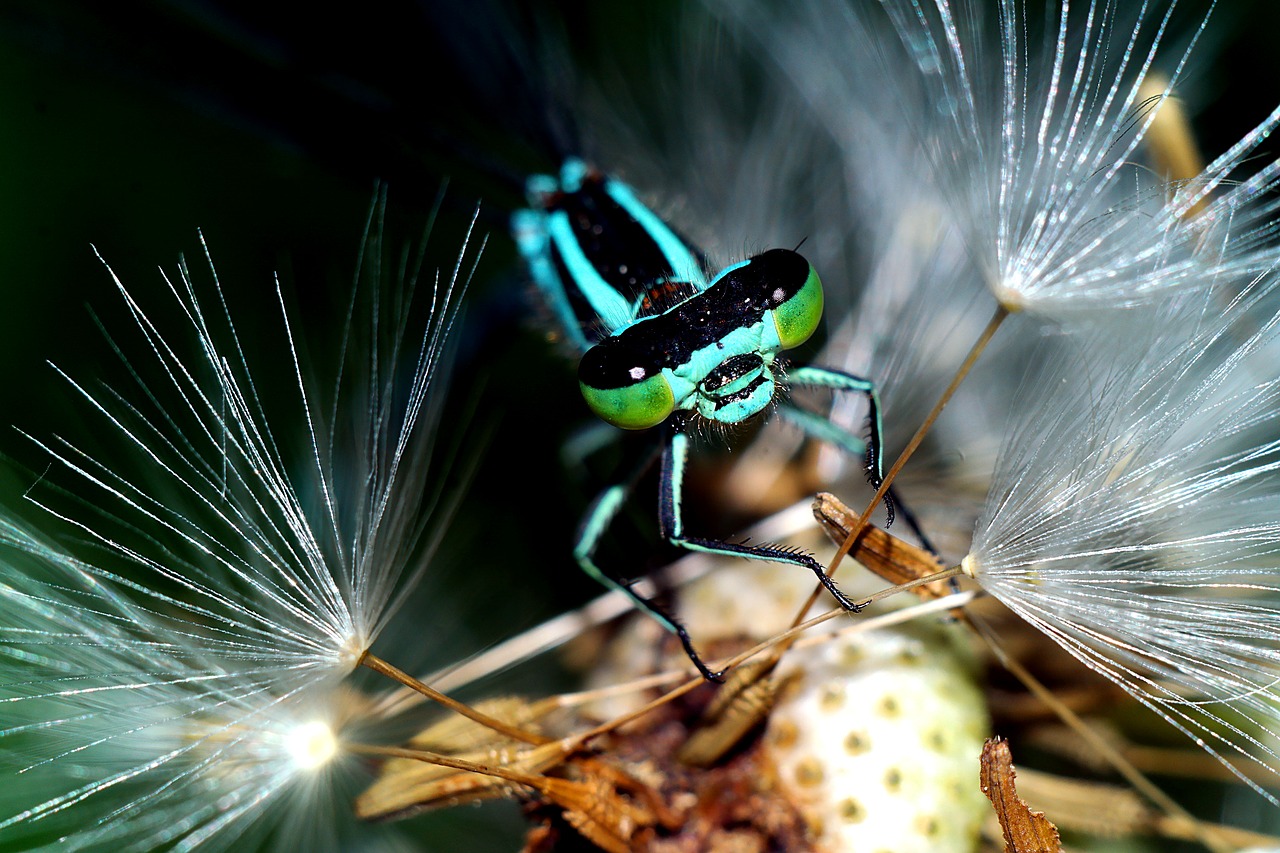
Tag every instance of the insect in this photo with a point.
(662, 346)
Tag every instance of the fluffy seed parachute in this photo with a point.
(1128, 512)
(183, 680)
(1132, 518)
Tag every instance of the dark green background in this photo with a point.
(131, 126)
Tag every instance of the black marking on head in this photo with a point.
(740, 298)
(731, 369)
(745, 393)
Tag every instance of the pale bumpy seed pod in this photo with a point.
(874, 736)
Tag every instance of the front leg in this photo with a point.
(595, 523)
(823, 377)
(670, 516)
(822, 429)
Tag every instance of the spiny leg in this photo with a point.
(823, 377)
(670, 517)
(872, 451)
(818, 427)
(914, 524)
(594, 524)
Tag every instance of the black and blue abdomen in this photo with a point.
(600, 256)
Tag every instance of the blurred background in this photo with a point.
(135, 128)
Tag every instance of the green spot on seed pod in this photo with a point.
(928, 825)
(784, 734)
(912, 655)
(851, 810)
(856, 743)
(809, 773)
(851, 655)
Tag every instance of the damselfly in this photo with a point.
(664, 346)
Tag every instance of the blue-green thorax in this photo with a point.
(730, 380)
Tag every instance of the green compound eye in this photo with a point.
(639, 406)
(798, 317)
(621, 390)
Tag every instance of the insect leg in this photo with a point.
(836, 380)
(670, 517)
(821, 428)
(594, 524)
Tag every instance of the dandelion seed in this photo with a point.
(185, 682)
(1033, 132)
(909, 301)
(127, 726)
(1128, 518)
(1132, 519)
(1041, 156)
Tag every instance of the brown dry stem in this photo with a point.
(1025, 830)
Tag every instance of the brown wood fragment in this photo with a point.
(1025, 831)
(455, 734)
(886, 555)
(406, 787)
(1112, 811)
(740, 706)
(597, 811)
